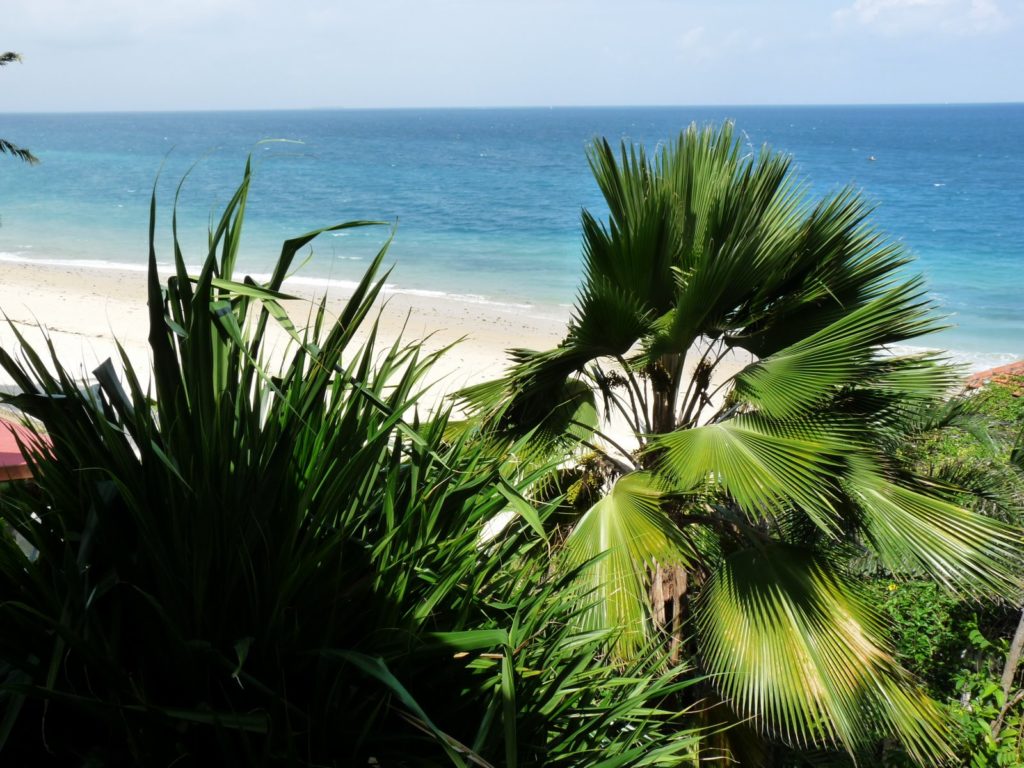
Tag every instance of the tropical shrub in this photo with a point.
(247, 563)
(736, 520)
(968, 653)
(988, 710)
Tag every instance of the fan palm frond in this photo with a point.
(625, 533)
(807, 372)
(964, 551)
(796, 649)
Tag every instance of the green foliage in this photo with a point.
(282, 563)
(1002, 402)
(970, 441)
(983, 703)
(781, 479)
(926, 626)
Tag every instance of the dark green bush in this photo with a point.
(283, 565)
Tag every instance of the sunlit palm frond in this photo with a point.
(765, 465)
(637, 258)
(916, 378)
(737, 223)
(795, 649)
(964, 551)
(830, 264)
(809, 371)
(626, 532)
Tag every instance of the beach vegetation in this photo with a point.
(745, 345)
(968, 652)
(231, 561)
(738, 524)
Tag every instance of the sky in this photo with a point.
(103, 55)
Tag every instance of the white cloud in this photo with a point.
(873, 11)
(691, 38)
(86, 21)
(898, 17)
(985, 15)
(187, 54)
(693, 45)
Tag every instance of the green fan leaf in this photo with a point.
(910, 530)
(794, 648)
(810, 370)
(624, 533)
(765, 465)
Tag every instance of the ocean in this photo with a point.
(485, 203)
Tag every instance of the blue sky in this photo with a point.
(96, 55)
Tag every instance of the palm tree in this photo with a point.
(7, 147)
(744, 496)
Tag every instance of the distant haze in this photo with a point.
(98, 55)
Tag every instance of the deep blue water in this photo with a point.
(488, 201)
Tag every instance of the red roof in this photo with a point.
(1001, 375)
(12, 463)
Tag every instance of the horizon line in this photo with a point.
(512, 107)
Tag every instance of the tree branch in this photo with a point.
(1009, 673)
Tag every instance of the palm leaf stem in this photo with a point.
(727, 382)
(621, 465)
(727, 413)
(695, 388)
(631, 414)
(684, 415)
(662, 387)
(721, 356)
(676, 381)
(631, 378)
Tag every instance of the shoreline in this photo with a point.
(84, 309)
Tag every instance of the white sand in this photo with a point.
(84, 309)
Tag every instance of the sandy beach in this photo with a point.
(84, 309)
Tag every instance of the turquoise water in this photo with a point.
(487, 202)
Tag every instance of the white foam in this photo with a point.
(315, 282)
(389, 288)
(119, 266)
(973, 361)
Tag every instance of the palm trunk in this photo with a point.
(668, 588)
(665, 377)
